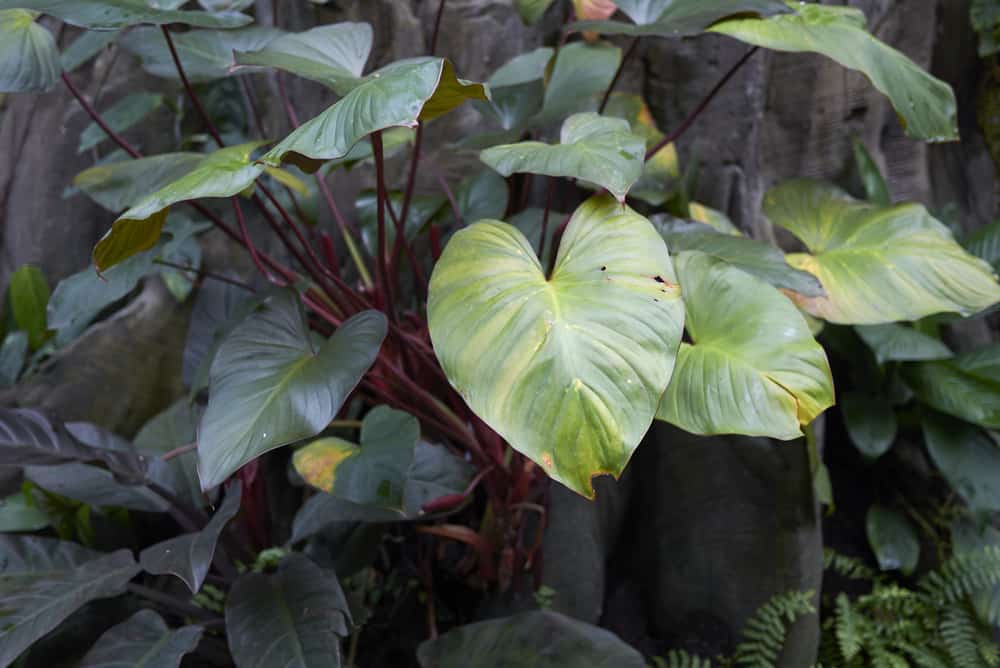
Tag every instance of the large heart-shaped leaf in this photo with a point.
(115, 14)
(753, 367)
(580, 74)
(400, 94)
(142, 641)
(677, 18)
(43, 581)
(334, 55)
(967, 457)
(29, 58)
(570, 368)
(224, 173)
(591, 147)
(894, 342)
(119, 185)
(206, 55)
(289, 619)
(925, 104)
(893, 539)
(877, 264)
(270, 388)
(536, 639)
(120, 117)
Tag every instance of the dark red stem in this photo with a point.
(190, 91)
(618, 74)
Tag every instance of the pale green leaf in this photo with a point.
(29, 58)
(115, 14)
(120, 117)
(142, 641)
(205, 54)
(893, 539)
(714, 218)
(895, 342)
(677, 18)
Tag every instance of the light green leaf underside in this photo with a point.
(399, 94)
(894, 342)
(593, 148)
(570, 369)
(925, 104)
(115, 14)
(268, 388)
(877, 264)
(677, 18)
(967, 386)
(205, 54)
(334, 55)
(29, 58)
(753, 367)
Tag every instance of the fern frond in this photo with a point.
(765, 631)
(846, 629)
(847, 567)
(924, 656)
(963, 574)
(678, 658)
(960, 635)
(988, 650)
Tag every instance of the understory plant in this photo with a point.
(429, 364)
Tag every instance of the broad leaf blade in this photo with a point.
(115, 14)
(580, 74)
(173, 428)
(206, 55)
(119, 185)
(120, 117)
(95, 487)
(27, 437)
(967, 387)
(967, 457)
(894, 342)
(893, 539)
(269, 388)
(142, 641)
(985, 243)
(677, 18)
(753, 367)
(13, 354)
(568, 369)
(17, 513)
(85, 47)
(29, 58)
(870, 421)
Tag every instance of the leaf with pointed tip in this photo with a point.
(517, 89)
(29, 58)
(290, 619)
(893, 539)
(535, 639)
(400, 94)
(95, 487)
(569, 369)
(190, 555)
(85, 47)
(43, 581)
(119, 185)
(677, 18)
(967, 386)
(334, 55)
(870, 422)
(270, 388)
(662, 170)
(28, 294)
(753, 367)
(985, 243)
(591, 147)
(17, 513)
(876, 189)
(206, 55)
(224, 173)
(115, 14)
(120, 117)
(580, 74)
(925, 105)
(877, 264)
(142, 641)
(894, 342)
(13, 354)
(968, 459)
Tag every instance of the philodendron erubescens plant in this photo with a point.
(432, 360)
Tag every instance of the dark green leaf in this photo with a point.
(876, 190)
(894, 342)
(95, 487)
(870, 421)
(13, 353)
(483, 195)
(529, 222)
(85, 47)
(18, 513)
(985, 243)
(205, 54)
(531, 10)
(985, 16)
(967, 387)
(968, 538)
(142, 641)
(29, 295)
(661, 172)
(29, 58)
(120, 117)
(967, 458)
(581, 73)
(893, 539)
(27, 437)
(114, 14)
(518, 88)
(119, 185)
(173, 428)
(677, 18)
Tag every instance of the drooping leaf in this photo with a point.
(870, 422)
(591, 147)
(894, 342)
(115, 14)
(205, 54)
(925, 105)
(27, 437)
(754, 257)
(95, 487)
(17, 513)
(581, 73)
(399, 94)
(291, 618)
(967, 386)
(43, 581)
(985, 243)
(270, 388)
(677, 18)
(893, 539)
(189, 556)
(531, 11)
(28, 293)
(334, 55)
(517, 89)
(13, 354)
(85, 47)
(877, 264)
(29, 58)
(968, 459)
(119, 185)
(142, 641)
(224, 173)
(662, 170)
(173, 428)
(876, 189)
(120, 117)
(753, 367)
(536, 639)
(569, 369)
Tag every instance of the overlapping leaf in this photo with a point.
(120, 117)
(569, 369)
(580, 74)
(895, 342)
(967, 457)
(142, 641)
(115, 14)
(870, 421)
(661, 171)
(29, 58)
(85, 47)
(119, 185)
(893, 539)
(677, 18)
(205, 54)
(517, 89)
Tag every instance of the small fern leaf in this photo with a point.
(678, 658)
(846, 630)
(765, 631)
(960, 635)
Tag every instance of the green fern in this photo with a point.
(963, 575)
(847, 567)
(764, 633)
(847, 629)
(960, 635)
(677, 658)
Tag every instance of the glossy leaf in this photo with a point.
(291, 618)
(568, 369)
(967, 386)
(530, 221)
(877, 264)
(677, 18)
(591, 147)
(189, 556)
(44, 581)
(399, 94)
(115, 14)
(894, 342)
(85, 47)
(926, 105)
(119, 185)
(984, 243)
(17, 513)
(876, 189)
(968, 459)
(661, 171)
(893, 539)
(142, 641)
(334, 55)
(270, 388)
(224, 173)
(870, 422)
(13, 354)
(28, 293)
(29, 58)
(95, 487)
(753, 367)
(205, 54)
(121, 116)
(536, 639)
(581, 73)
